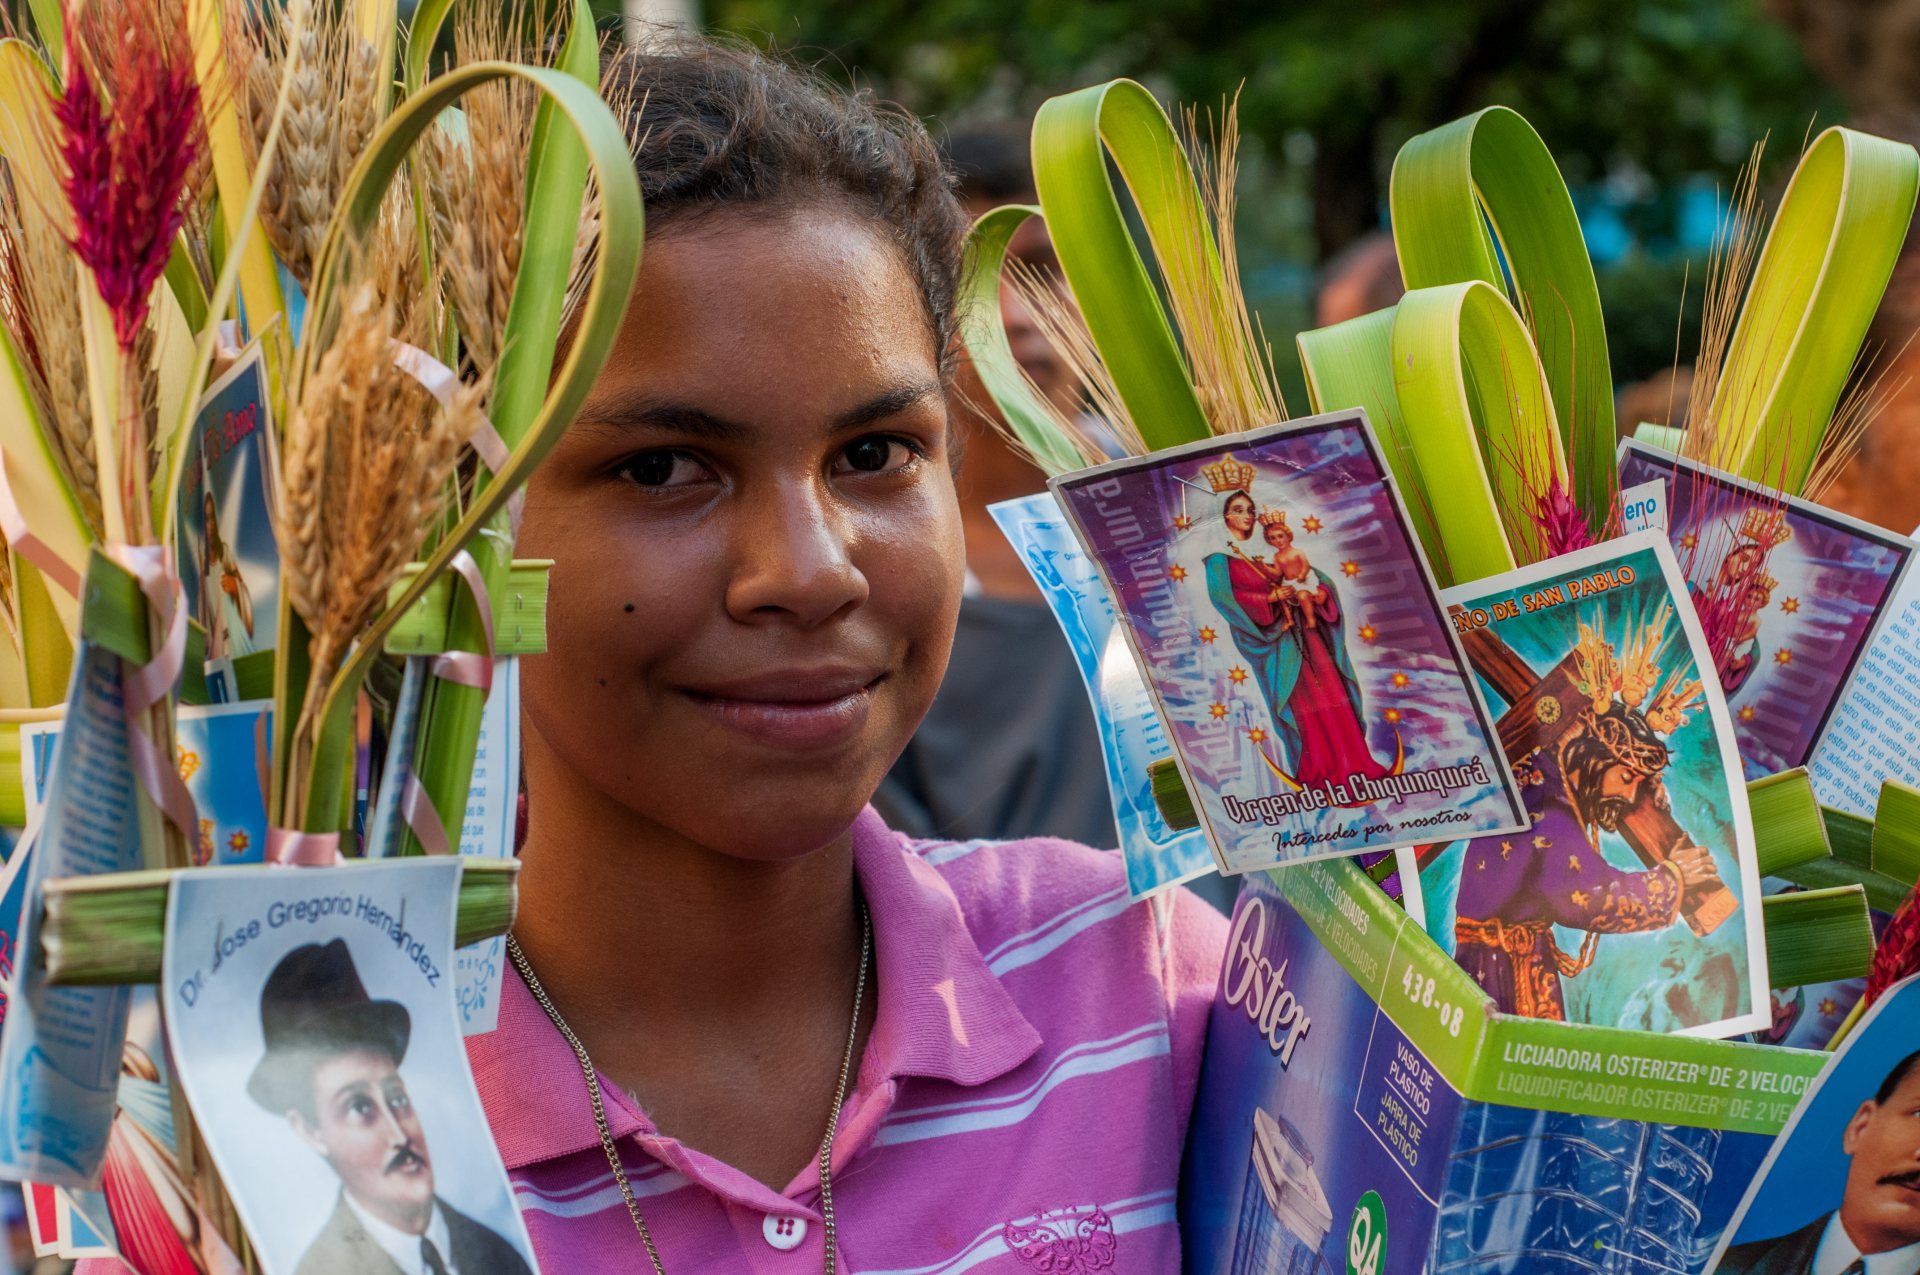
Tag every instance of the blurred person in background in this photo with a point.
(1362, 277)
(1661, 399)
(1009, 748)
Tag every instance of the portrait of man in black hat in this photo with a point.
(332, 1069)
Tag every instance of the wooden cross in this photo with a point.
(1542, 712)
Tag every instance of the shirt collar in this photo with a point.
(403, 1248)
(1837, 1251)
(942, 1015)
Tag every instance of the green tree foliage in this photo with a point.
(1635, 97)
(1654, 89)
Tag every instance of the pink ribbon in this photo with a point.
(422, 818)
(13, 525)
(148, 684)
(226, 340)
(493, 453)
(467, 668)
(289, 847)
(470, 668)
(439, 380)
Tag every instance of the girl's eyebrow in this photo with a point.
(889, 403)
(637, 411)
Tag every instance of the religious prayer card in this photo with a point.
(60, 1049)
(229, 558)
(493, 807)
(1875, 733)
(220, 748)
(142, 1178)
(1841, 1178)
(1633, 899)
(68, 1224)
(306, 1008)
(1131, 737)
(1292, 638)
(1789, 596)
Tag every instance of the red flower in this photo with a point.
(129, 147)
(1898, 952)
(1563, 528)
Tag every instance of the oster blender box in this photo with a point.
(1363, 1110)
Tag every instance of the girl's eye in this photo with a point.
(876, 454)
(663, 468)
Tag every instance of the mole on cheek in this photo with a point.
(629, 608)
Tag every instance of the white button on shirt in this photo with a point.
(1837, 1251)
(784, 1233)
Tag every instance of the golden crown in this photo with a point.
(1228, 474)
(1274, 517)
(1765, 527)
(1763, 581)
(1604, 672)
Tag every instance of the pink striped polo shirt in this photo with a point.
(1020, 1107)
(1021, 1104)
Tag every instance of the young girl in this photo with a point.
(751, 1029)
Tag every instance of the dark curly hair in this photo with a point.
(717, 127)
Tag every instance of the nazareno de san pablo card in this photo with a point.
(1633, 899)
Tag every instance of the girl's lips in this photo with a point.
(801, 712)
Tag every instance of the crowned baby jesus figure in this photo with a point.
(1286, 618)
(1514, 889)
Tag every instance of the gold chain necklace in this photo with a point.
(592, 1078)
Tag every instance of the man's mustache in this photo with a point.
(403, 1158)
(1910, 1179)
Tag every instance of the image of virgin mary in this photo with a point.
(1286, 619)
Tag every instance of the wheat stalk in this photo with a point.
(145, 348)
(586, 254)
(366, 462)
(1228, 357)
(42, 313)
(618, 91)
(43, 317)
(1060, 324)
(478, 185)
(1730, 264)
(9, 602)
(1873, 387)
(336, 99)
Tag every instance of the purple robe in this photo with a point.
(1514, 889)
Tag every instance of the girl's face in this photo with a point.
(756, 546)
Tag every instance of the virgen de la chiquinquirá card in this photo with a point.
(1290, 631)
